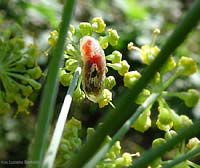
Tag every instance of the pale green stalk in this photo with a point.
(54, 144)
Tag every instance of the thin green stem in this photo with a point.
(122, 131)
(47, 104)
(182, 158)
(54, 144)
(153, 153)
(116, 117)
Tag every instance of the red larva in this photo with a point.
(94, 67)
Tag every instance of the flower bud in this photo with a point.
(193, 142)
(113, 37)
(186, 66)
(85, 28)
(142, 96)
(115, 57)
(164, 116)
(110, 82)
(130, 78)
(148, 53)
(79, 95)
(98, 24)
(71, 64)
(65, 78)
(191, 97)
(158, 141)
(53, 38)
(105, 98)
(170, 134)
(143, 122)
(103, 41)
(169, 65)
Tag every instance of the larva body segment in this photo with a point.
(94, 67)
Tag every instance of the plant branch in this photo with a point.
(50, 91)
(182, 158)
(55, 141)
(122, 131)
(116, 118)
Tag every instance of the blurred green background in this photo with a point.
(134, 20)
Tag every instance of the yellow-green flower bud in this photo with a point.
(158, 141)
(72, 29)
(193, 142)
(109, 82)
(85, 28)
(115, 57)
(164, 116)
(149, 53)
(142, 96)
(121, 67)
(35, 72)
(98, 24)
(143, 122)
(125, 67)
(169, 65)
(185, 121)
(71, 64)
(113, 37)
(105, 98)
(70, 50)
(103, 41)
(79, 95)
(65, 78)
(130, 78)
(125, 160)
(53, 38)
(191, 97)
(170, 134)
(186, 66)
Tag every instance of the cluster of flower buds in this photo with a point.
(19, 73)
(84, 50)
(71, 143)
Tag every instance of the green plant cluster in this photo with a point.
(167, 120)
(73, 58)
(71, 143)
(19, 71)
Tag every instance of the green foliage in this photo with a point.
(71, 143)
(19, 71)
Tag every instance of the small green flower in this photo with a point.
(105, 98)
(121, 67)
(115, 57)
(186, 66)
(170, 134)
(113, 37)
(190, 97)
(143, 122)
(130, 78)
(158, 141)
(65, 78)
(71, 64)
(169, 65)
(109, 82)
(85, 28)
(98, 24)
(53, 38)
(149, 53)
(193, 142)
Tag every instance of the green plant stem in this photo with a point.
(54, 144)
(182, 158)
(116, 118)
(122, 131)
(194, 165)
(50, 91)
